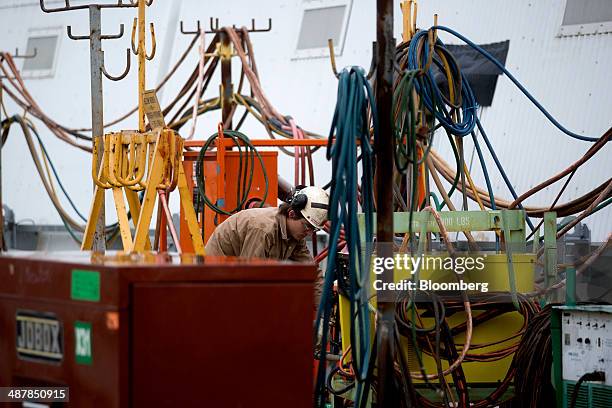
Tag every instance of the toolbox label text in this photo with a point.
(39, 337)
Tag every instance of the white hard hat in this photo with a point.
(313, 203)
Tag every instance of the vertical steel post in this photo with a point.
(384, 147)
(141, 64)
(386, 395)
(97, 109)
(226, 81)
(160, 226)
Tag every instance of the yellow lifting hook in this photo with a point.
(141, 160)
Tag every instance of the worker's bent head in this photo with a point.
(307, 211)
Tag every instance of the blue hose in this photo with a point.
(487, 180)
(501, 169)
(515, 81)
(430, 93)
(350, 125)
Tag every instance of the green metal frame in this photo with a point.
(511, 222)
(595, 395)
(456, 221)
(555, 335)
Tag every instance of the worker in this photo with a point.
(274, 232)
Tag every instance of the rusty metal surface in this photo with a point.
(226, 82)
(167, 330)
(384, 145)
(261, 142)
(385, 55)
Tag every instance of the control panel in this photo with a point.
(586, 343)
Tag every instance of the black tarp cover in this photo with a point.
(480, 72)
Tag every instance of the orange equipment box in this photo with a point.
(232, 186)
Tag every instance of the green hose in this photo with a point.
(245, 180)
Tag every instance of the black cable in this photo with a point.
(330, 387)
(533, 359)
(245, 172)
(592, 376)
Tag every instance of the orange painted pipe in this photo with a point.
(263, 142)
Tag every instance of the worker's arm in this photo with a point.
(302, 254)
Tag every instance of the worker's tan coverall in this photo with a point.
(260, 233)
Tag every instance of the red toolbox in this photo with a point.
(158, 331)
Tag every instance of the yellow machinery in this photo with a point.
(495, 273)
(511, 273)
(123, 168)
(134, 161)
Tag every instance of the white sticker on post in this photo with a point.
(153, 110)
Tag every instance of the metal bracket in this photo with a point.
(25, 56)
(125, 72)
(198, 31)
(224, 51)
(550, 248)
(215, 28)
(68, 7)
(332, 58)
(115, 36)
(505, 215)
(136, 49)
(76, 37)
(87, 37)
(457, 221)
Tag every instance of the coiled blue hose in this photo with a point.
(430, 93)
(350, 125)
(515, 81)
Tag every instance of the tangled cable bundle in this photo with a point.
(454, 109)
(15, 88)
(533, 360)
(420, 106)
(179, 111)
(350, 124)
(518, 85)
(72, 226)
(460, 119)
